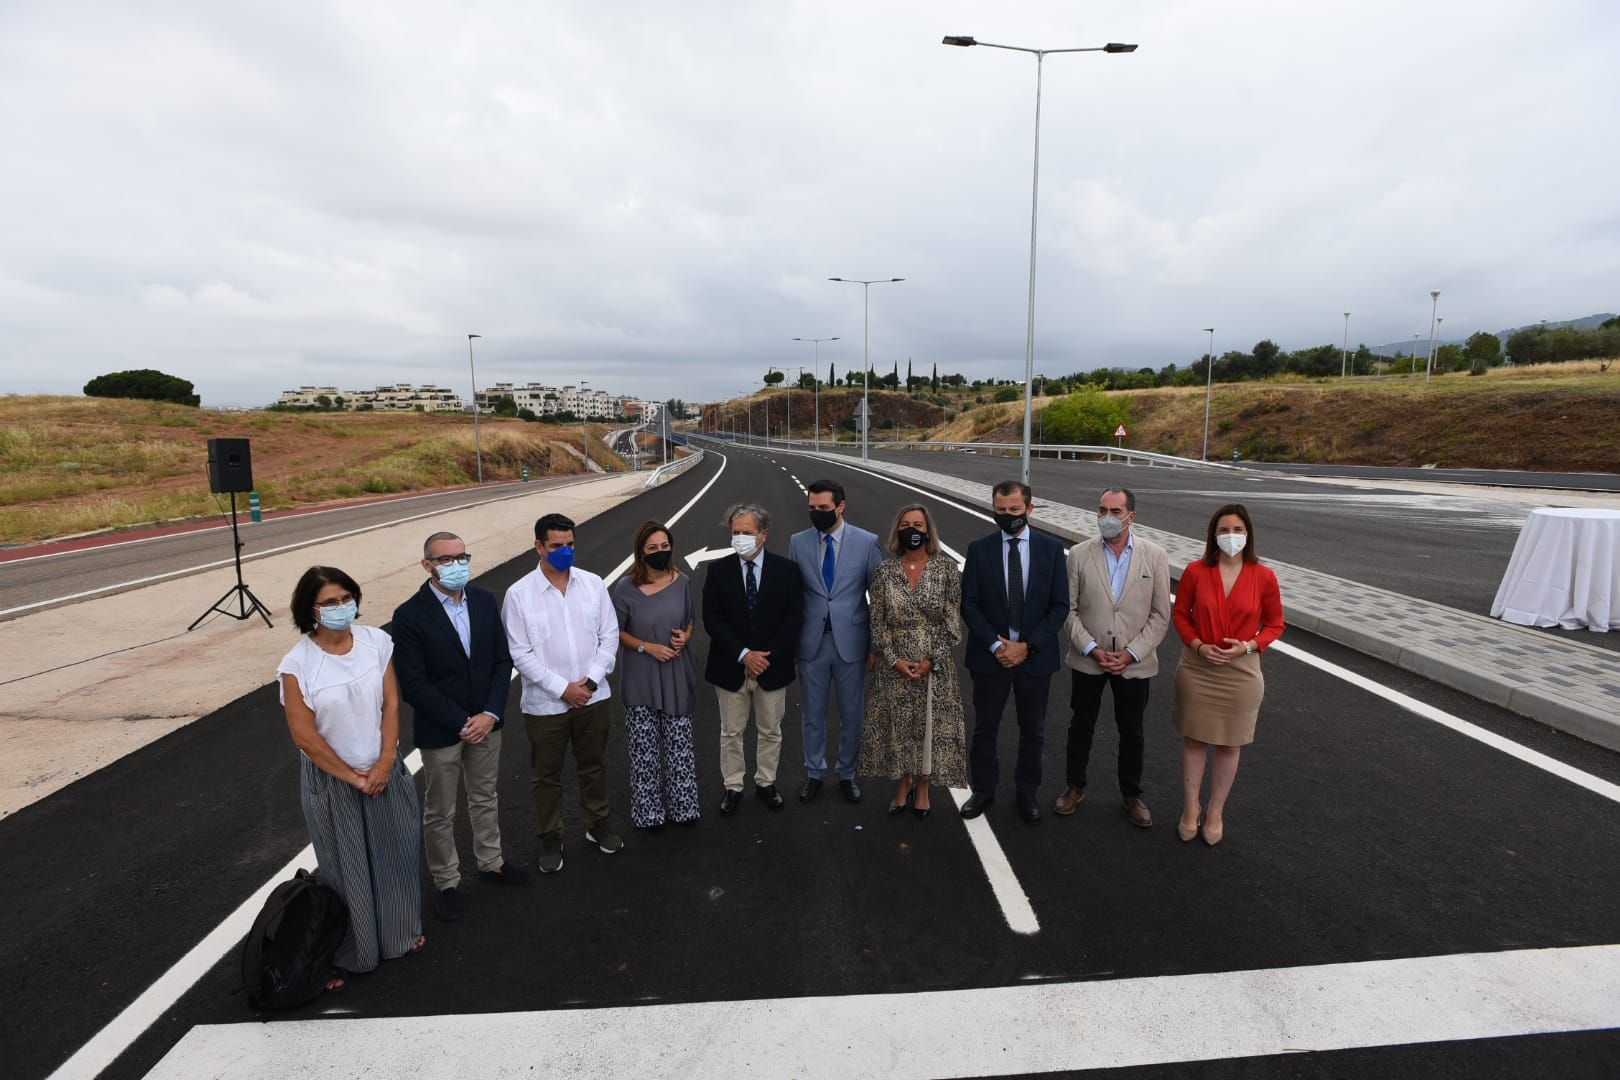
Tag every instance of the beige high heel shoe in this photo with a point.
(1185, 833)
(1213, 836)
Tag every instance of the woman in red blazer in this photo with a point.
(1228, 611)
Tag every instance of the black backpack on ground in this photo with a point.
(287, 956)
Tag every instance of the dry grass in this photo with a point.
(71, 464)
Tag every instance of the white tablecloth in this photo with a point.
(1564, 572)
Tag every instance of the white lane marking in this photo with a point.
(91, 549)
(249, 558)
(1103, 1024)
(121, 1032)
(1004, 883)
(1423, 710)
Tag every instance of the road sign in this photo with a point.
(1120, 432)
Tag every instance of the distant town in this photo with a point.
(576, 402)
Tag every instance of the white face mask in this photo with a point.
(1232, 543)
(1110, 526)
(745, 544)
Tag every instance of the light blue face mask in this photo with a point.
(338, 618)
(455, 576)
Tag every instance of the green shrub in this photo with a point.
(1087, 416)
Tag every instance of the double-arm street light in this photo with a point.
(799, 371)
(1433, 311)
(866, 356)
(817, 372)
(478, 449)
(1209, 386)
(1344, 360)
(1034, 203)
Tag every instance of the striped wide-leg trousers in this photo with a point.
(369, 850)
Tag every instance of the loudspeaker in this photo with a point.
(230, 465)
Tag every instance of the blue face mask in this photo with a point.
(455, 576)
(338, 618)
(561, 560)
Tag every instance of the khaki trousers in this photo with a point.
(550, 736)
(768, 705)
(445, 768)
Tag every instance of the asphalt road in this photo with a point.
(37, 581)
(1487, 477)
(1357, 831)
(1450, 549)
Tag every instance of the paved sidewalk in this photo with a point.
(1564, 684)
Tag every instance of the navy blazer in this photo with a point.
(773, 625)
(984, 602)
(443, 685)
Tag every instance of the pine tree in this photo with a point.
(832, 376)
(934, 382)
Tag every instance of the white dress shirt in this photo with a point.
(557, 638)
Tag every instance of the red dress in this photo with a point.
(1220, 703)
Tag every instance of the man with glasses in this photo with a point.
(451, 657)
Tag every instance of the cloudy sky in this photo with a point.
(652, 195)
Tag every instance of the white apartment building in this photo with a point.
(306, 395)
(398, 397)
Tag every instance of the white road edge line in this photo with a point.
(1101, 1024)
(257, 554)
(1423, 710)
(121, 1031)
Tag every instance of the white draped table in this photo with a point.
(1565, 571)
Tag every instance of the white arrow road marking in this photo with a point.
(706, 555)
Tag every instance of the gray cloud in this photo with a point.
(652, 196)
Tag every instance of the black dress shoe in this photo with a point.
(510, 873)
(1029, 809)
(769, 796)
(809, 789)
(851, 790)
(976, 805)
(729, 804)
(447, 904)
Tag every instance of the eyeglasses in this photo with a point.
(446, 560)
(336, 602)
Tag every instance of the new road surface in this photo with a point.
(1392, 898)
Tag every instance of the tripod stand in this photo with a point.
(246, 602)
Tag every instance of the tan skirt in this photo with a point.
(1218, 703)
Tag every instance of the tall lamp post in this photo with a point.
(478, 448)
(799, 371)
(1344, 361)
(817, 373)
(866, 356)
(1034, 204)
(1209, 386)
(1429, 369)
(584, 432)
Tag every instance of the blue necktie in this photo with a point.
(829, 566)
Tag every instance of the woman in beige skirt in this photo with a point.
(1228, 611)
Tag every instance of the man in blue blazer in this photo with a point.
(451, 659)
(1015, 598)
(836, 561)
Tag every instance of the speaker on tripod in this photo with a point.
(230, 470)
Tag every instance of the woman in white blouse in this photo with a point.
(342, 704)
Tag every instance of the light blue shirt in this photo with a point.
(1023, 564)
(456, 608)
(1119, 570)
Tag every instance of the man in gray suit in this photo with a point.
(836, 561)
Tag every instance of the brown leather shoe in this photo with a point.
(1137, 811)
(1068, 801)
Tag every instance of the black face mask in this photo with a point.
(659, 560)
(824, 520)
(912, 538)
(1012, 524)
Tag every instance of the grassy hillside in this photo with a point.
(74, 464)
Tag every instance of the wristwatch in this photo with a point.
(641, 646)
(590, 684)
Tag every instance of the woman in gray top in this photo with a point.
(658, 682)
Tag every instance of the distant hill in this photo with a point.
(1588, 322)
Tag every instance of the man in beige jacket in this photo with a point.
(1119, 611)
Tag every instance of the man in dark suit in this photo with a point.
(451, 659)
(1015, 598)
(752, 604)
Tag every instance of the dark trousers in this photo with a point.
(1085, 702)
(1029, 693)
(550, 736)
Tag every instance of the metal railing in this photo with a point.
(1059, 451)
(664, 472)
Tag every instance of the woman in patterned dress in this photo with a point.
(914, 729)
(657, 682)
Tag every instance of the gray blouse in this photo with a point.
(668, 687)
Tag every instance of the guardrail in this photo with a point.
(664, 472)
(1056, 450)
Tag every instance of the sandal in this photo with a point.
(334, 984)
(421, 942)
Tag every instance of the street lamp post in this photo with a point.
(1411, 366)
(584, 432)
(1209, 386)
(799, 371)
(478, 448)
(817, 373)
(866, 356)
(1429, 369)
(1034, 204)
(1344, 361)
